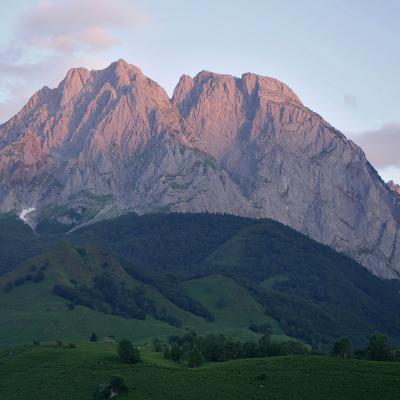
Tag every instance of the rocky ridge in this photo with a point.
(106, 142)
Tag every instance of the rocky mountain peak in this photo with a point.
(122, 73)
(110, 141)
(272, 89)
(73, 84)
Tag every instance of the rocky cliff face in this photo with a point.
(106, 142)
(394, 187)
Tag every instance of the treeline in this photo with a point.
(379, 348)
(194, 350)
(110, 297)
(169, 287)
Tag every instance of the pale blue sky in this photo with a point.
(341, 57)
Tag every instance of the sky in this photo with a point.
(341, 57)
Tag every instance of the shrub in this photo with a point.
(93, 337)
(261, 377)
(128, 353)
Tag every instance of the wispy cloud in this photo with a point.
(72, 24)
(54, 35)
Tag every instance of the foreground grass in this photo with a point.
(50, 372)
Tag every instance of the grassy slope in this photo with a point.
(32, 312)
(317, 295)
(49, 372)
(232, 305)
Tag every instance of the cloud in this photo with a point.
(66, 25)
(350, 100)
(52, 36)
(382, 146)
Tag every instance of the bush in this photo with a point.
(128, 353)
(261, 377)
(116, 387)
(19, 281)
(93, 337)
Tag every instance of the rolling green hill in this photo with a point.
(52, 372)
(156, 275)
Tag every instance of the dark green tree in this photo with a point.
(342, 348)
(379, 348)
(128, 353)
(93, 338)
(175, 353)
(264, 345)
(194, 358)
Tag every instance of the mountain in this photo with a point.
(160, 274)
(394, 187)
(107, 142)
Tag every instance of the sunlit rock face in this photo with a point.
(394, 187)
(106, 142)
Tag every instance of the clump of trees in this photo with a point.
(112, 297)
(128, 353)
(35, 278)
(193, 350)
(378, 349)
(342, 348)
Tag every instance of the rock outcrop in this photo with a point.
(394, 187)
(106, 142)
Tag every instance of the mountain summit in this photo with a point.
(106, 142)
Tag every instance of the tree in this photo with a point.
(265, 345)
(93, 338)
(294, 348)
(194, 358)
(342, 348)
(157, 345)
(128, 353)
(175, 352)
(379, 348)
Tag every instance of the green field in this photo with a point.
(50, 372)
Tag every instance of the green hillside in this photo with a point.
(156, 275)
(52, 372)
